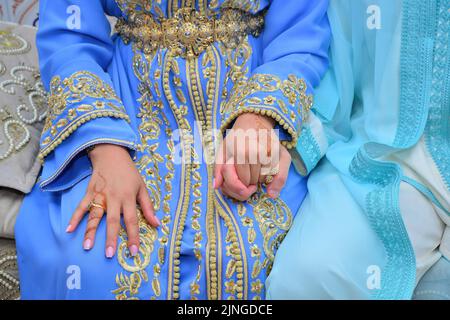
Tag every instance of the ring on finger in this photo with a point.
(269, 178)
(94, 204)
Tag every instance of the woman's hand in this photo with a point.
(116, 187)
(250, 154)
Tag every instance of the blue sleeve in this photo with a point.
(75, 50)
(295, 40)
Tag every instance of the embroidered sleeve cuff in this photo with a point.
(69, 163)
(311, 146)
(285, 101)
(74, 101)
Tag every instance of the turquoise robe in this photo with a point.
(387, 87)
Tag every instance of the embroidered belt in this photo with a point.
(188, 33)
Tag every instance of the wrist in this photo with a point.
(107, 151)
(258, 119)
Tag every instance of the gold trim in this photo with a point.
(274, 218)
(239, 252)
(75, 125)
(286, 102)
(188, 32)
(77, 99)
(219, 237)
(184, 201)
(193, 89)
(128, 285)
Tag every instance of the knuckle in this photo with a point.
(90, 230)
(127, 194)
(112, 192)
(113, 219)
(281, 179)
(131, 219)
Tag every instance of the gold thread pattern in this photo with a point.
(237, 266)
(128, 285)
(184, 201)
(273, 216)
(285, 101)
(74, 101)
(188, 33)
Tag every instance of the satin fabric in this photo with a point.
(387, 89)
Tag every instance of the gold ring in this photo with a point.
(95, 205)
(268, 179)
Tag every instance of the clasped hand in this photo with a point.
(250, 154)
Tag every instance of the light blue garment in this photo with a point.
(435, 284)
(388, 86)
(208, 246)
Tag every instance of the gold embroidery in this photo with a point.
(74, 101)
(204, 114)
(273, 216)
(268, 95)
(128, 286)
(196, 176)
(257, 286)
(152, 117)
(238, 68)
(255, 251)
(185, 188)
(188, 33)
(238, 255)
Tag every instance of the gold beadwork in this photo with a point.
(188, 32)
(184, 200)
(246, 99)
(203, 114)
(152, 116)
(275, 219)
(128, 286)
(74, 101)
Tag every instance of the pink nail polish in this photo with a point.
(109, 252)
(87, 245)
(69, 227)
(134, 250)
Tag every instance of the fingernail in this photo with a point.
(214, 182)
(87, 244)
(158, 221)
(134, 250)
(69, 227)
(109, 252)
(242, 192)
